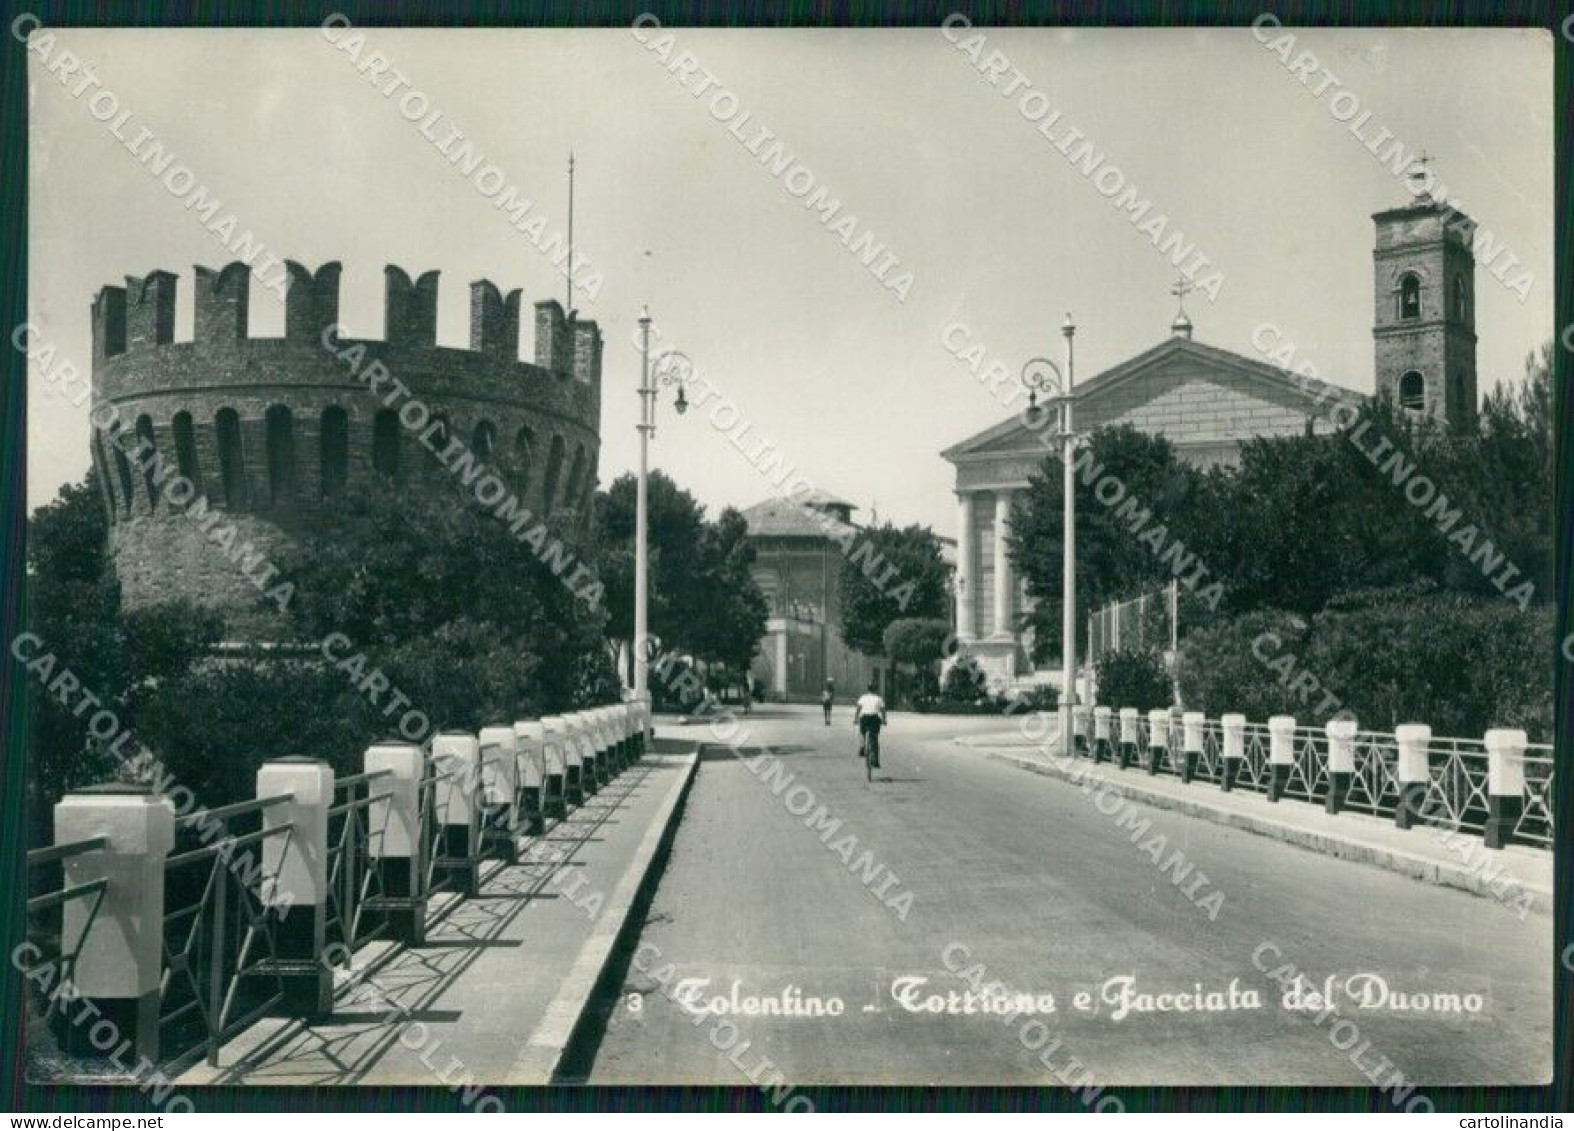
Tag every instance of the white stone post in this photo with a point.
(598, 723)
(1158, 737)
(459, 796)
(1415, 772)
(1281, 754)
(1101, 734)
(500, 783)
(1341, 762)
(1128, 736)
(555, 751)
(590, 770)
(595, 756)
(581, 730)
(1505, 785)
(573, 761)
(647, 729)
(120, 958)
(393, 842)
(625, 717)
(1082, 741)
(1192, 722)
(1234, 727)
(295, 878)
(605, 719)
(530, 760)
(619, 731)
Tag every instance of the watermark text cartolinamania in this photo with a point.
(1344, 106)
(1107, 178)
(450, 141)
(104, 106)
(770, 151)
(1402, 470)
(137, 458)
(489, 488)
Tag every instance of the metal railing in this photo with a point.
(354, 880)
(494, 812)
(46, 917)
(224, 961)
(1535, 819)
(218, 939)
(1455, 794)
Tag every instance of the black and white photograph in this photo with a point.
(786, 560)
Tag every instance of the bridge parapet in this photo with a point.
(168, 932)
(1498, 786)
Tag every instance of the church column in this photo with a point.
(1003, 574)
(965, 560)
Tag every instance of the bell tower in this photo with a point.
(1424, 284)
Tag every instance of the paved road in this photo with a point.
(1026, 876)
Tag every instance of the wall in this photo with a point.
(161, 552)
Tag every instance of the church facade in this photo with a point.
(1208, 400)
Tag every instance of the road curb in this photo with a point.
(544, 1054)
(1438, 873)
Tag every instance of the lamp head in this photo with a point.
(1040, 375)
(682, 403)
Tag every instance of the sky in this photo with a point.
(849, 378)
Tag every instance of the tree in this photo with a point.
(891, 574)
(920, 642)
(676, 520)
(704, 600)
(1156, 494)
(727, 625)
(464, 618)
(126, 660)
(1503, 474)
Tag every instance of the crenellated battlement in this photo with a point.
(277, 431)
(494, 320)
(311, 302)
(139, 317)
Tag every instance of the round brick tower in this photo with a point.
(273, 432)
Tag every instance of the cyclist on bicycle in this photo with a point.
(869, 714)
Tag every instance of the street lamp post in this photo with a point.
(1068, 593)
(672, 367)
(1041, 375)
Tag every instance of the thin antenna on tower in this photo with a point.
(568, 305)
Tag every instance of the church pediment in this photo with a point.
(1204, 399)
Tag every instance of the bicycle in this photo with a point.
(864, 751)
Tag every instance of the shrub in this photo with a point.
(1039, 697)
(1458, 663)
(675, 685)
(964, 681)
(213, 727)
(1226, 667)
(1133, 678)
(921, 642)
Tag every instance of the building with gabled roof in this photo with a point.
(1208, 400)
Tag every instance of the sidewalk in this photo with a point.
(1431, 855)
(495, 995)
